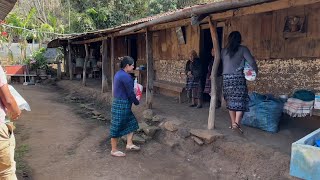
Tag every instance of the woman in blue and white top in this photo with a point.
(123, 120)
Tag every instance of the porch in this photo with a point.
(291, 129)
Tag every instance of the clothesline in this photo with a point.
(35, 31)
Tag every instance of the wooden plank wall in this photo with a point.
(120, 49)
(141, 44)
(263, 33)
(170, 57)
(285, 64)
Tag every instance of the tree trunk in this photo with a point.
(104, 66)
(59, 70)
(112, 63)
(216, 46)
(84, 74)
(149, 57)
(70, 60)
(66, 65)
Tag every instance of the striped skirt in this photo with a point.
(194, 88)
(123, 121)
(235, 92)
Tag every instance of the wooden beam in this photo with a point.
(117, 34)
(150, 72)
(91, 40)
(70, 60)
(255, 9)
(84, 74)
(112, 64)
(261, 8)
(183, 22)
(104, 65)
(104, 37)
(216, 47)
(206, 25)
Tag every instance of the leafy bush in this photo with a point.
(37, 60)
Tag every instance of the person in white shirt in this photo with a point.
(9, 108)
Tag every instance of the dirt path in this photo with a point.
(60, 144)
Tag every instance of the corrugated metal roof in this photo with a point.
(5, 7)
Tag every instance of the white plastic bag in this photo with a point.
(249, 73)
(138, 88)
(22, 103)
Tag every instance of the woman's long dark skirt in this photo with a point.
(123, 120)
(235, 92)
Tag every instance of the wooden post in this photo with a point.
(149, 57)
(59, 70)
(112, 63)
(84, 74)
(216, 47)
(104, 65)
(65, 63)
(70, 60)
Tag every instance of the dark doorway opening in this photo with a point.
(133, 49)
(206, 46)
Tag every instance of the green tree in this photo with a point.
(161, 6)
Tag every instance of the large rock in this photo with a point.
(207, 135)
(148, 114)
(158, 118)
(94, 117)
(147, 138)
(142, 125)
(136, 139)
(172, 124)
(197, 140)
(96, 113)
(183, 132)
(89, 108)
(101, 118)
(150, 130)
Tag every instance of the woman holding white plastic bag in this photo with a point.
(123, 121)
(235, 89)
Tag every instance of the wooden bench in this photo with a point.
(21, 77)
(176, 87)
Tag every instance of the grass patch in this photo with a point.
(19, 154)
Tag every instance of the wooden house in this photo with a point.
(283, 36)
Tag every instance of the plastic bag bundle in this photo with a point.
(138, 88)
(265, 112)
(22, 103)
(249, 73)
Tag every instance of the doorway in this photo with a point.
(132, 49)
(205, 54)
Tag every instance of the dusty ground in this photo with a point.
(57, 140)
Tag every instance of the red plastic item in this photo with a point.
(15, 69)
(139, 93)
